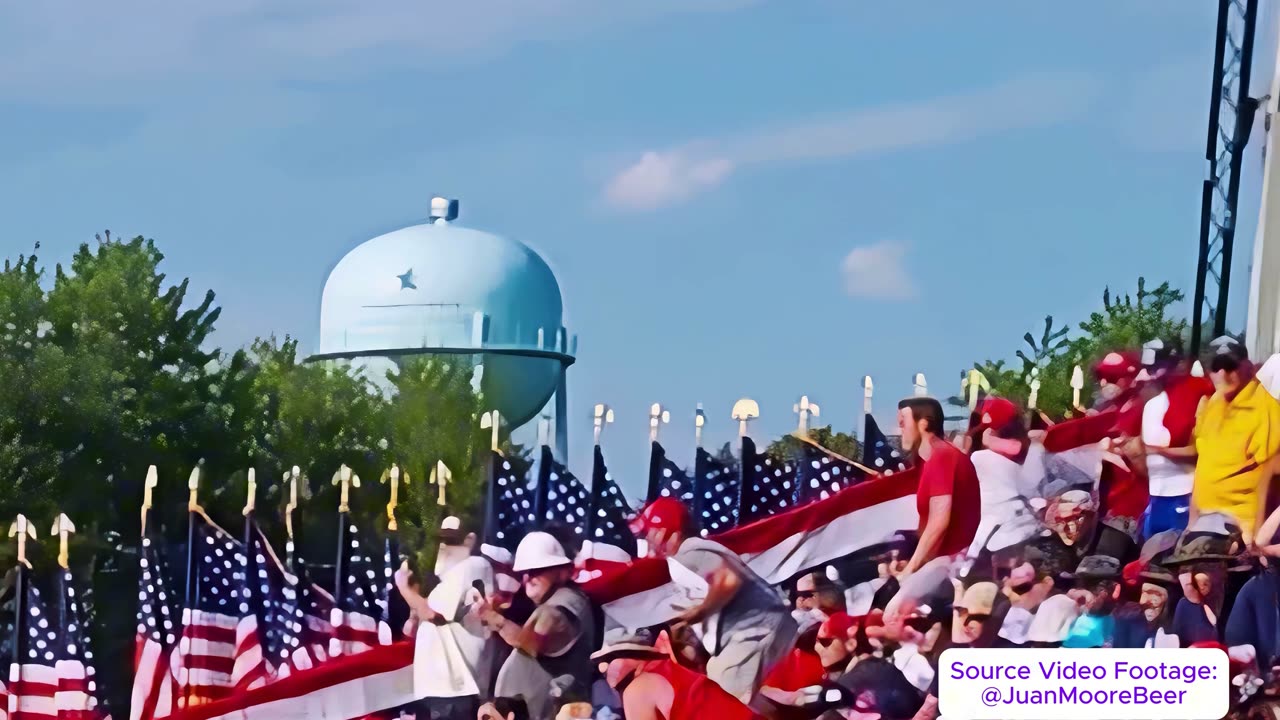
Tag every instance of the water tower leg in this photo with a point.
(562, 413)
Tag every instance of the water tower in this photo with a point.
(443, 289)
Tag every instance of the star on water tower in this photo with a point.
(442, 289)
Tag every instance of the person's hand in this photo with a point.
(402, 575)
(487, 614)
(692, 616)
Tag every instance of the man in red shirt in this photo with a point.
(947, 499)
(653, 687)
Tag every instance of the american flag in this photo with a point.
(356, 618)
(33, 681)
(218, 625)
(561, 498)
(274, 597)
(317, 610)
(153, 696)
(666, 479)
(768, 485)
(391, 605)
(509, 503)
(820, 473)
(715, 494)
(610, 512)
(877, 453)
(77, 690)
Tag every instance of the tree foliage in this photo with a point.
(846, 444)
(1124, 322)
(109, 368)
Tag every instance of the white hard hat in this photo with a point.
(451, 523)
(539, 551)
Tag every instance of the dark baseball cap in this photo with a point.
(1227, 354)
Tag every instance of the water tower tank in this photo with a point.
(439, 288)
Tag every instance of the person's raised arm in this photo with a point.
(416, 602)
(934, 530)
(646, 697)
(722, 586)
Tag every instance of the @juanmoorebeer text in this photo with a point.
(1070, 684)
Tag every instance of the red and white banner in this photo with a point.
(343, 688)
(777, 548)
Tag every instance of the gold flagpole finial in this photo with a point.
(346, 478)
(22, 529)
(868, 391)
(1077, 385)
(603, 416)
(393, 475)
(658, 416)
(291, 478)
(441, 476)
(193, 490)
(805, 409)
(744, 411)
(153, 479)
(63, 527)
(921, 385)
(252, 497)
(699, 422)
(492, 421)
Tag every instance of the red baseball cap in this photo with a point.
(665, 513)
(1117, 366)
(995, 413)
(837, 625)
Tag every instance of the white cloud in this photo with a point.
(663, 177)
(878, 271)
(71, 52)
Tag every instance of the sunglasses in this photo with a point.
(806, 594)
(827, 642)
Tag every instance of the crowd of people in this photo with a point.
(1170, 543)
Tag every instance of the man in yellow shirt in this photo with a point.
(1237, 438)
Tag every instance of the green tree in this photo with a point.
(788, 447)
(435, 417)
(1126, 322)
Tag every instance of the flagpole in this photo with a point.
(744, 411)
(249, 506)
(491, 421)
(21, 529)
(1077, 385)
(62, 529)
(603, 415)
(344, 478)
(392, 477)
(699, 420)
(189, 591)
(868, 391)
(291, 479)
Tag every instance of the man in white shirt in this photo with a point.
(453, 657)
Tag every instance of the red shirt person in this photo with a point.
(653, 687)
(947, 498)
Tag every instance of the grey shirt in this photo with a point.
(755, 607)
(566, 623)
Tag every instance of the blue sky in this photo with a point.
(738, 197)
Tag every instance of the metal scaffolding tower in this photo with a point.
(1230, 119)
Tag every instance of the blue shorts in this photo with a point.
(1166, 513)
